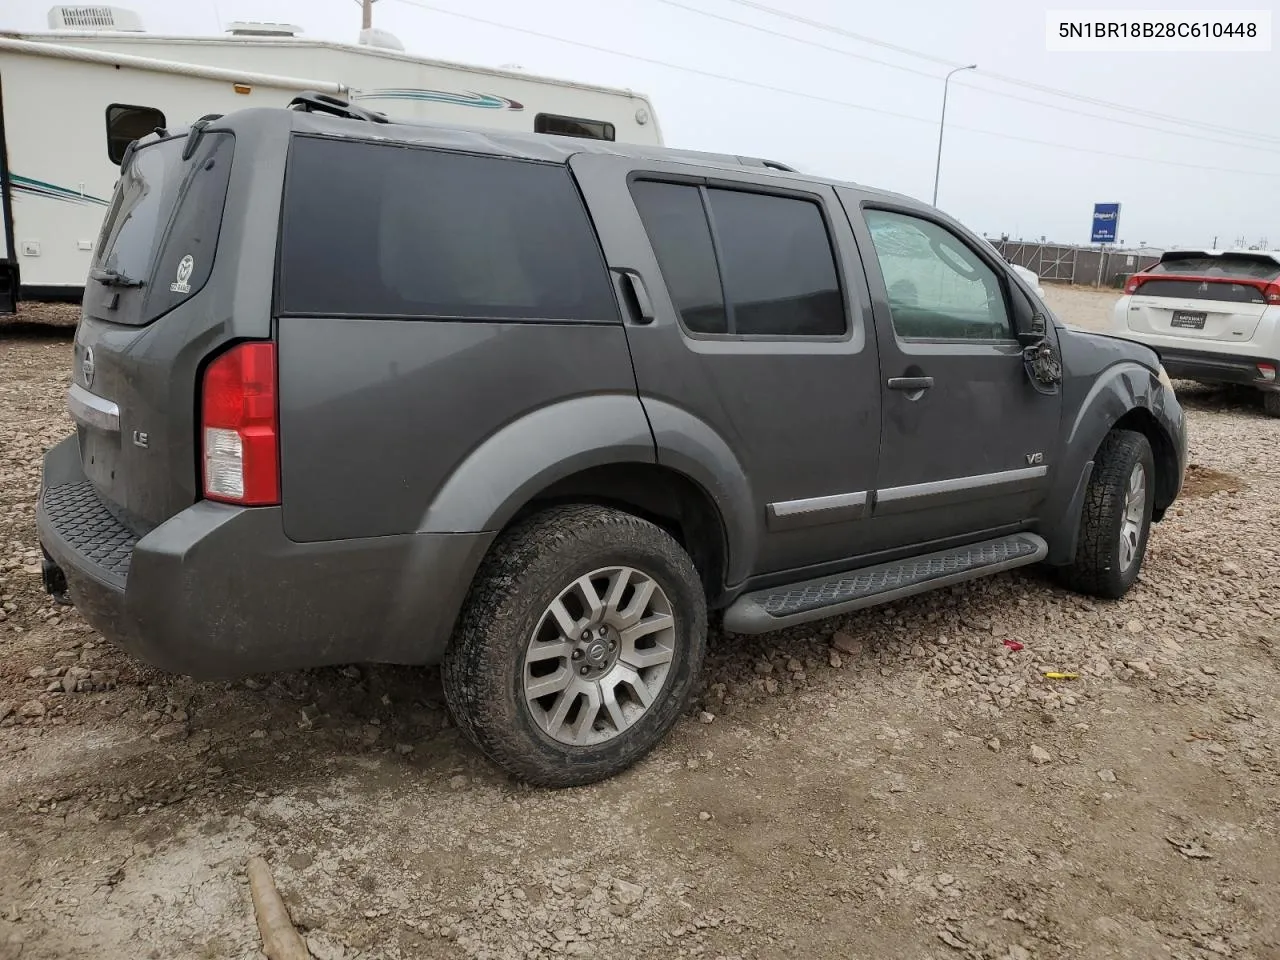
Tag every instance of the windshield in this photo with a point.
(140, 210)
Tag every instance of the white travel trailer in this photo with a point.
(73, 98)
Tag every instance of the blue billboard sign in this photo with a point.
(1106, 219)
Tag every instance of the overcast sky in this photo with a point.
(993, 183)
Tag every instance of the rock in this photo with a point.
(170, 731)
(835, 660)
(1208, 671)
(258, 735)
(845, 643)
(151, 716)
(945, 880)
(31, 709)
(323, 947)
(626, 892)
(706, 717)
(1230, 569)
(1040, 755)
(704, 816)
(6, 708)
(794, 665)
(458, 782)
(1217, 749)
(1107, 776)
(994, 744)
(404, 749)
(1018, 952)
(35, 673)
(1134, 626)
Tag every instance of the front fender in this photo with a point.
(527, 455)
(1114, 393)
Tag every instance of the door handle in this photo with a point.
(634, 292)
(910, 383)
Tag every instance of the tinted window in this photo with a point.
(779, 273)
(140, 209)
(387, 230)
(676, 223)
(939, 289)
(127, 123)
(1244, 268)
(573, 127)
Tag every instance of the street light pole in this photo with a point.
(942, 125)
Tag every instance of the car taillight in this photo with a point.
(1133, 283)
(239, 426)
(1266, 371)
(1271, 292)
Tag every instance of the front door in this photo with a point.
(966, 435)
(751, 334)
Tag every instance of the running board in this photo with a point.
(790, 604)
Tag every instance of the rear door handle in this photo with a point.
(630, 284)
(910, 383)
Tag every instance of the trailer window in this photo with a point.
(573, 127)
(127, 123)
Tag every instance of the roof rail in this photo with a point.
(309, 101)
(775, 165)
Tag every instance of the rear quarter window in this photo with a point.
(381, 230)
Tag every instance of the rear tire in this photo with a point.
(1116, 518)
(613, 679)
(1271, 403)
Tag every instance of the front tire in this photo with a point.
(1271, 403)
(579, 645)
(1116, 518)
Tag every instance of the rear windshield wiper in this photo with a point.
(113, 278)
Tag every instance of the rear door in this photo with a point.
(1220, 297)
(154, 256)
(749, 314)
(966, 436)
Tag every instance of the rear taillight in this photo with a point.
(239, 426)
(1133, 283)
(1271, 292)
(1266, 371)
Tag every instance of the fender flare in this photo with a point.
(1121, 389)
(691, 446)
(527, 455)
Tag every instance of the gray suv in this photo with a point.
(534, 407)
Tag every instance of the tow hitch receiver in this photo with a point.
(55, 581)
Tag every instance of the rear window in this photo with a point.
(1235, 268)
(163, 223)
(381, 230)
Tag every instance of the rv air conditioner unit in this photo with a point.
(94, 18)
(242, 28)
(373, 37)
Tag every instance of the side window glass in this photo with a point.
(938, 288)
(127, 123)
(676, 223)
(779, 272)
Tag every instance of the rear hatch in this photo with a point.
(134, 414)
(1204, 296)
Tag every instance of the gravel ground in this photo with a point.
(899, 783)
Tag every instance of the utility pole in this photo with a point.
(942, 125)
(367, 7)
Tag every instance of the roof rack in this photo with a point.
(775, 165)
(310, 101)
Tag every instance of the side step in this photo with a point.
(789, 604)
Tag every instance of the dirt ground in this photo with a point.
(899, 783)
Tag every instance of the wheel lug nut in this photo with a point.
(577, 654)
(584, 670)
(586, 634)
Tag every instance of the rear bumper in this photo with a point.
(219, 592)
(1216, 367)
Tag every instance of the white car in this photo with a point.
(1212, 316)
(1032, 279)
